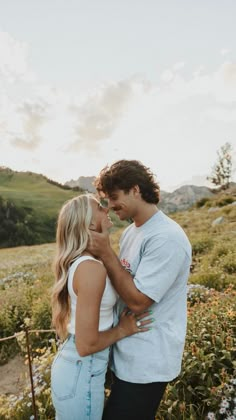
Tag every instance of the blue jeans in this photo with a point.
(77, 383)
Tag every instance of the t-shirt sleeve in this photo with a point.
(159, 267)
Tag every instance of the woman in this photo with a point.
(82, 306)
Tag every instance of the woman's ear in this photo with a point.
(92, 226)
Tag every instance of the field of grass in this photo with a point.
(208, 379)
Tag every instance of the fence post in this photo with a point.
(31, 373)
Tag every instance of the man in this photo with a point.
(151, 272)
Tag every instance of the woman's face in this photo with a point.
(100, 216)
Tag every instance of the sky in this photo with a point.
(85, 83)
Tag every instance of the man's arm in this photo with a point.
(120, 278)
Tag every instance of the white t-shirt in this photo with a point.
(158, 255)
(107, 303)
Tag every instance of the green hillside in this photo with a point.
(28, 189)
(29, 205)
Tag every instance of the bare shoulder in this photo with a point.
(90, 273)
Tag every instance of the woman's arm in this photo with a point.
(89, 284)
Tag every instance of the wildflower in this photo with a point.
(37, 390)
(211, 416)
(222, 410)
(225, 403)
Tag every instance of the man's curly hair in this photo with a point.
(124, 175)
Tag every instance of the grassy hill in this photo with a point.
(29, 205)
(28, 189)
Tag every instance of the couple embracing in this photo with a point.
(129, 311)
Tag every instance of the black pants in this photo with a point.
(129, 401)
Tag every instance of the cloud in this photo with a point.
(33, 116)
(224, 87)
(178, 66)
(227, 115)
(228, 72)
(14, 59)
(220, 84)
(99, 115)
(167, 76)
(225, 51)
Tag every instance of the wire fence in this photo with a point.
(27, 333)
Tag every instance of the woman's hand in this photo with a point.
(131, 323)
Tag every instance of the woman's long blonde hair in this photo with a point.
(71, 240)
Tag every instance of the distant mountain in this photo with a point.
(182, 198)
(197, 180)
(83, 182)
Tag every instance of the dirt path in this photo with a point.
(14, 375)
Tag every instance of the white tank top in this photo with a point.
(107, 303)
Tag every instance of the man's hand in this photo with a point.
(99, 243)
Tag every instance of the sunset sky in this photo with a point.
(84, 83)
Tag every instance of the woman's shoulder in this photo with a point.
(87, 262)
(84, 257)
(89, 274)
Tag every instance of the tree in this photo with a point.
(222, 170)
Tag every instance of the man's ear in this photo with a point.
(136, 189)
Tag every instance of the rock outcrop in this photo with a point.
(182, 198)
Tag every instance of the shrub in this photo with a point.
(200, 246)
(41, 319)
(218, 252)
(202, 202)
(229, 264)
(215, 280)
(224, 201)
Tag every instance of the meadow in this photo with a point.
(206, 386)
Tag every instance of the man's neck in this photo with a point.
(145, 212)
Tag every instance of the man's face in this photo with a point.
(122, 203)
